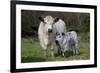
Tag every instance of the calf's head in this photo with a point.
(48, 22)
(60, 41)
(59, 38)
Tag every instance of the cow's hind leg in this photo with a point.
(74, 47)
(75, 50)
(45, 54)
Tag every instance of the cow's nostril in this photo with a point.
(49, 30)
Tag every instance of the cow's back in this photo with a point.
(59, 27)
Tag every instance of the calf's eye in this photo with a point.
(59, 36)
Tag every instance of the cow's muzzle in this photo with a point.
(49, 30)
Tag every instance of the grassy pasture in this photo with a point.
(31, 50)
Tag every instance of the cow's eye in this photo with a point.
(44, 23)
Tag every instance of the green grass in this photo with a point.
(31, 51)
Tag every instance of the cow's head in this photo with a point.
(48, 22)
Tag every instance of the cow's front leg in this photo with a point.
(45, 54)
(52, 52)
(44, 50)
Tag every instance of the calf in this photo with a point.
(67, 40)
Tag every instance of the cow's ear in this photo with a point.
(56, 19)
(41, 19)
(63, 34)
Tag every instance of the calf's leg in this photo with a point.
(75, 50)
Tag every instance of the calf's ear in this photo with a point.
(57, 33)
(56, 19)
(41, 19)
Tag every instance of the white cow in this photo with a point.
(47, 30)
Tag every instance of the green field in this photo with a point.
(31, 50)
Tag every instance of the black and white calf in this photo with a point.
(67, 40)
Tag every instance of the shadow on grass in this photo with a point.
(68, 54)
(32, 59)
